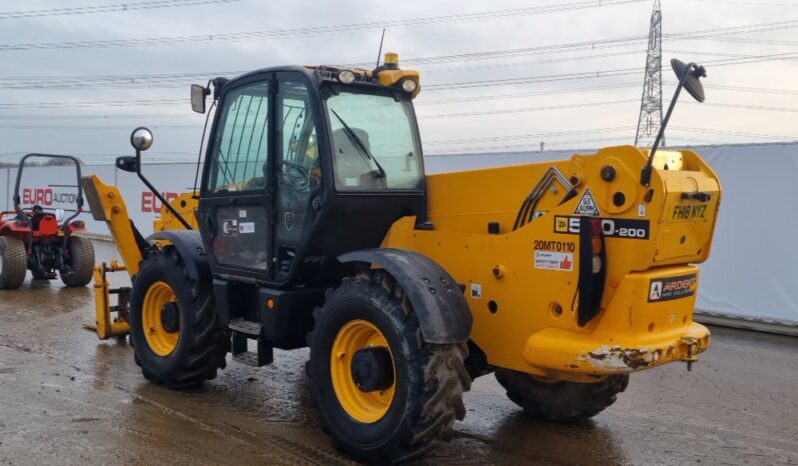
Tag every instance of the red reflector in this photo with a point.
(595, 226)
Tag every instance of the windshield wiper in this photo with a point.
(364, 150)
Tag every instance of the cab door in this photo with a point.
(237, 195)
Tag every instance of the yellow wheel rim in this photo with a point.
(362, 406)
(160, 341)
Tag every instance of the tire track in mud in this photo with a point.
(291, 449)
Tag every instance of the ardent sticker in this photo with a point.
(666, 289)
(562, 261)
(587, 205)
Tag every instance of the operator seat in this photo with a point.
(353, 170)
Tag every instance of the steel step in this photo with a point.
(247, 327)
(263, 356)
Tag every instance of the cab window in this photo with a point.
(239, 152)
(298, 162)
(375, 143)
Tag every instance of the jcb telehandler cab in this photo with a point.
(315, 225)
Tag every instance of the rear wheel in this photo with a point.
(560, 401)
(384, 394)
(173, 324)
(80, 261)
(13, 263)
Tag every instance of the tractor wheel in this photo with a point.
(173, 324)
(560, 401)
(13, 263)
(384, 394)
(80, 261)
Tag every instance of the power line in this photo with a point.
(160, 82)
(421, 116)
(54, 82)
(420, 102)
(92, 9)
(527, 109)
(567, 90)
(320, 30)
(689, 129)
(741, 2)
(528, 136)
(93, 103)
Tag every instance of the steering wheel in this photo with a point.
(295, 176)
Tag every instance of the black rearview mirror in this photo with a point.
(692, 83)
(129, 163)
(689, 78)
(198, 94)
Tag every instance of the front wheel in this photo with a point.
(384, 394)
(173, 323)
(561, 400)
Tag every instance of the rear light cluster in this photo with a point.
(592, 270)
(596, 243)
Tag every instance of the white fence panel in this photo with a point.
(750, 271)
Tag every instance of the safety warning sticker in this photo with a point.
(666, 289)
(246, 227)
(587, 205)
(229, 227)
(476, 290)
(562, 261)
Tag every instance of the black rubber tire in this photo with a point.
(430, 378)
(15, 263)
(202, 346)
(560, 401)
(80, 260)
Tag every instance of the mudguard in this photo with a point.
(189, 244)
(439, 303)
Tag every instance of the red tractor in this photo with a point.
(38, 239)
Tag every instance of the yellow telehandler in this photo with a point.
(315, 225)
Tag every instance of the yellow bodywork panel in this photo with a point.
(107, 205)
(186, 205)
(521, 283)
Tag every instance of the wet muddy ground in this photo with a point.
(67, 398)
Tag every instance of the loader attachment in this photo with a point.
(105, 326)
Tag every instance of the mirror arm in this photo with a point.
(645, 176)
(158, 193)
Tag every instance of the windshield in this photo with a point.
(375, 146)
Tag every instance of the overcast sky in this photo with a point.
(495, 115)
